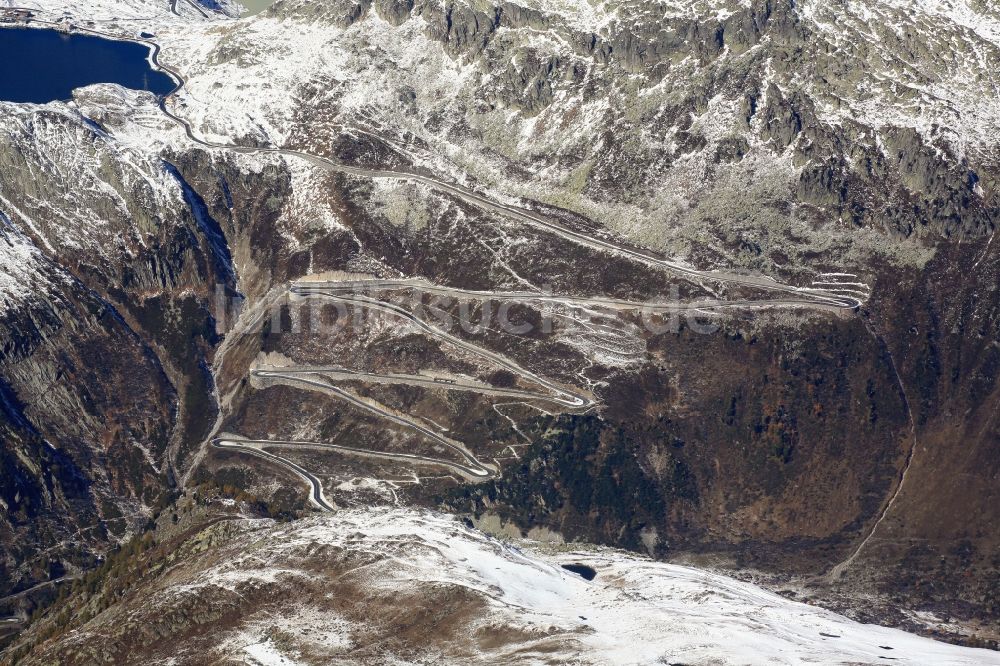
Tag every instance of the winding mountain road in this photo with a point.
(698, 305)
(481, 471)
(316, 495)
(819, 298)
(312, 377)
(422, 381)
(814, 295)
(827, 296)
(471, 473)
(564, 396)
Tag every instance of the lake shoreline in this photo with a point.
(89, 57)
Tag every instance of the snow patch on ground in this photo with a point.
(636, 611)
(21, 277)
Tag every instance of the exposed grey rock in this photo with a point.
(395, 12)
(463, 30)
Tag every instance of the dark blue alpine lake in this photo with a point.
(46, 65)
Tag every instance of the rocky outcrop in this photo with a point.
(463, 29)
(395, 12)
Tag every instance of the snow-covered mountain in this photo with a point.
(835, 120)
(818, 180)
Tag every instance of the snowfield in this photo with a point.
(636, 611)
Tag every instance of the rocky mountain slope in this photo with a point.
(801, 153)
(647, 117)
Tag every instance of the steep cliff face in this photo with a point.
(87, 410)
(107, 269)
